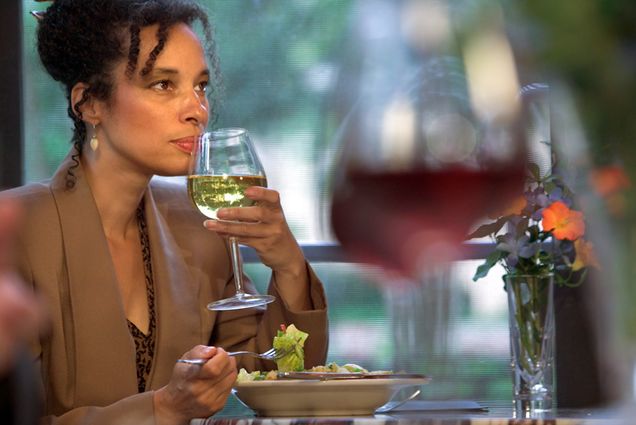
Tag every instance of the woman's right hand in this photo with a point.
(196, 391)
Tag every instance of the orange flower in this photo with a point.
(585, 255)
(563, 222)
(609, 180)
(610, 183)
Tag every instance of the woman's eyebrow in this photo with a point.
(157, 72)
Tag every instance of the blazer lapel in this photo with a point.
(178, 312)
(98, 319)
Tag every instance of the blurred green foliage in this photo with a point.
(266, 50)
(591, 45)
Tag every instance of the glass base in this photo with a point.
(532, 408)
(240, 301)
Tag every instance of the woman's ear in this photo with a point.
(84, 105)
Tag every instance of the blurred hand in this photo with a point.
(196, 391)
(20, 312)
(264, 228)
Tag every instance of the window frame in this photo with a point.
(11, 119)
(332, 252)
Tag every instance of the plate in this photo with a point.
(341, 397)
(326, 376)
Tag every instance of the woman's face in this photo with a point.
(150, 122)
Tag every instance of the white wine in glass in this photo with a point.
(224, 164)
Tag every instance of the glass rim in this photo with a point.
(225, 133)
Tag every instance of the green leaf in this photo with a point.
(491, 260)
(554, 179)
(535, 172)
(488, 229)
(549, 187)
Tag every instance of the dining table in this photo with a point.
(442, 412)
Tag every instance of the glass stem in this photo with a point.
(237, 265)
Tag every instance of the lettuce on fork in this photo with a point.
(291, 341)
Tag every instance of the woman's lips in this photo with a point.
(185, 145)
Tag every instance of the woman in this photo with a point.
(124, 263)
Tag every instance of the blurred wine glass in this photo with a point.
(433, 141)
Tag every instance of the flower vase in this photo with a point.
(532, 331)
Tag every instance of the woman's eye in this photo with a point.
(202, 87)
(161, 85)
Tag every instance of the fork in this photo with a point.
(271, 354)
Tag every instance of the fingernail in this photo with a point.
(209, 224)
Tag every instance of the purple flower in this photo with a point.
(558, 194)
(537, 201)
(537, 198)
(517, 248)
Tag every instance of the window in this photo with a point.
(281, 60)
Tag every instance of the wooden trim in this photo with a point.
(329, 252)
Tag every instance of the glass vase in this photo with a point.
(532, 331)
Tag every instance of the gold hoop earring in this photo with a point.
(94, 142)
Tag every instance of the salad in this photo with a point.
(292, 341)
(257, 375)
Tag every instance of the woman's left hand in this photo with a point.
(264, 228)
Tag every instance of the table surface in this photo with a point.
(439, 415)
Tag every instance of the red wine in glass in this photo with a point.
(430, 143)
(408, 222)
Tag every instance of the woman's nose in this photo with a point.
(195, 109)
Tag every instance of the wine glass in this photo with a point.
(431, 139)
(223, 164)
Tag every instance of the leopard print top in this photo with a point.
(145, 343)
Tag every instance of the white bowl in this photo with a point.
(346, 397)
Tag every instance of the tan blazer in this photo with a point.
(88, 360)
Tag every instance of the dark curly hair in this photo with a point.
(83, 41)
